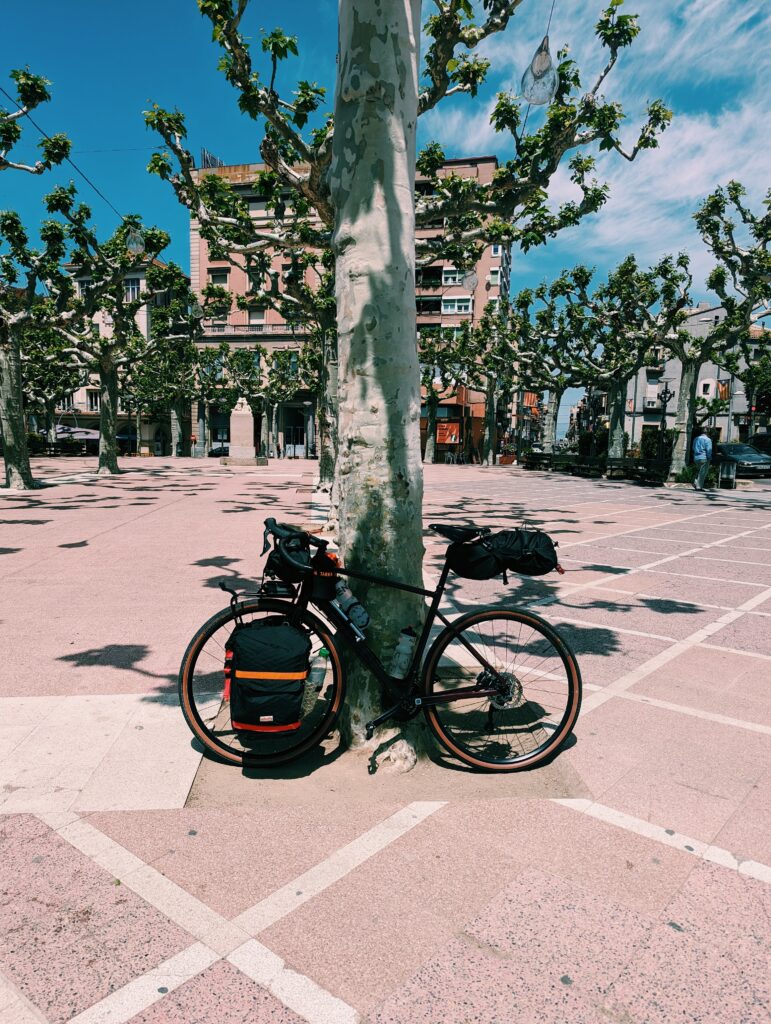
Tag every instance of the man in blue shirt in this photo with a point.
(702, 456)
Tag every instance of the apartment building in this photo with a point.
(444, 297)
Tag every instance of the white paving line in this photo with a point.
(668, 837)
(736, 650)
(138, 995)
(219, 937)
(685, 709)
(626, 681)
(300, 993)
(311, 883)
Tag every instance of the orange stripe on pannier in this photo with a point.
(266, 728)
(271, 675)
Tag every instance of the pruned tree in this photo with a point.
(739, 241)
(108, 345)
(48, 377)
(244, 368)
(35, 288)
(31, 91)
(616, 327)
(281, 385)
(359, 178)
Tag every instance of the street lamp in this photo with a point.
(665, 396)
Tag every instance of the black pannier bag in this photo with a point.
(266, 666)
(527, 552)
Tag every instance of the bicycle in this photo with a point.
(494, 699)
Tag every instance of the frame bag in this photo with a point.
(266, 666)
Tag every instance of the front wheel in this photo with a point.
(207, 711)
(536, 681)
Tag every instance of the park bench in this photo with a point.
(647, 470)
(537, 460)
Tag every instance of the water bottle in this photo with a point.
(350, 605)
(318, 672)
(402, 656)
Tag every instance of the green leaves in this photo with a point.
(279, 45)
(31, 90)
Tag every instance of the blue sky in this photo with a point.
(709, 59)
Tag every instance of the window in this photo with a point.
(428, 305)
(495, 276)
(67, 401)
(219, 278)
(705, 388)
(495, 251)
(256, 359)
(450, 275)
(429, 277)
(256, 205)
(132, 289)
(457, 304)
(83, 286)
(93, 401)
(257, 319)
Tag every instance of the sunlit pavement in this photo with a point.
(628, 881)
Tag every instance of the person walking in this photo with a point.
(702, 457)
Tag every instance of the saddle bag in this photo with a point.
(527, 552)
(266, 666)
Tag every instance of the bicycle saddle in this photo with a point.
(459, 534)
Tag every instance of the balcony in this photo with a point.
(240, 329)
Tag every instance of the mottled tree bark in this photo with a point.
(327, 417)
(490, 431)
(686, 409)
(50, 414)
(181, 429)
(616, 406)
(550, 422)
(17, 469)
(379, 467)
(432, 403)
(108, 417)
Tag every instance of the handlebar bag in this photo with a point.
(268, 664)
(279, 567)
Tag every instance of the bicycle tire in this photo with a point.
(276, 749)
(456, 722)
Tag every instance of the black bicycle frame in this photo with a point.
(400, 688)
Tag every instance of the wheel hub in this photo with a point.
(510, 691)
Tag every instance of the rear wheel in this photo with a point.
(538, 686)
(207, 712)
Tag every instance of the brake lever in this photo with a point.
(266, 540)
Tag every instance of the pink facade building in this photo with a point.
(444, 297)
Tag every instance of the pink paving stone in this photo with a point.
(675, 977)
(658, 615)
(206, 851)
(604, 655)
(606, 554)
(219, 995)
(69, 935)
(551, 928)
(748, 834)
(461, 984)
(445, 873)
(709, 568)
(721, 682)
(666, 584)
(729, 912)
(748, 633)
(712, 759)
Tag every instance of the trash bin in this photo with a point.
(727, 474)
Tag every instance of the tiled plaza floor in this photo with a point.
(629, 881)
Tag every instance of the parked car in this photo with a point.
(749, 461)
(762, 442)
(219, 451)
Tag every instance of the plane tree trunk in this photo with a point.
(686, 408)
(17, 469)
(108, 417)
